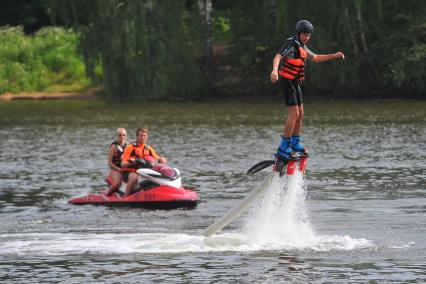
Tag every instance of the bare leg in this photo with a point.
(299, 120)
(116, 184)
(292, 118)
(133, 178)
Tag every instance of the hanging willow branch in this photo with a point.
(142, 46)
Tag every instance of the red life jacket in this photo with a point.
(294, 68)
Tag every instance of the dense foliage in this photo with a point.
(32, 15)
(144, 46)
(40, 62)
(154, 49)
(384, 43)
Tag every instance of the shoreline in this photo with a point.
(88, 94)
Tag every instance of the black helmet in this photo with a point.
(304, 26)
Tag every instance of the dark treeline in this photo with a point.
(154, 49)
(32, 15)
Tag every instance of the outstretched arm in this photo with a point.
(326, 57)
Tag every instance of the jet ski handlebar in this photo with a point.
(141, 163)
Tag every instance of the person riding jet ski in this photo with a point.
(138, 149)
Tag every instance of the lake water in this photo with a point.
(358, 214)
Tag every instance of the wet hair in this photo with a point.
(141, 129)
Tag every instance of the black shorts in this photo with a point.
(291, 90)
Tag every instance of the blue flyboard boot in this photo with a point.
(284, 155)
(284, 150)
(296, 146)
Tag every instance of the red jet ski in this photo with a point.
(158, 187)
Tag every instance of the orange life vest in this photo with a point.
(135, 151)
(140, 152)
(294, 68)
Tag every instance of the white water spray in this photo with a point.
(279, 221)
(281, 217)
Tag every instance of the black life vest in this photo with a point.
(116, 159)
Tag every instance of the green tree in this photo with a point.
(383, 42)
(148, 49)
(32, 15)
(145, 47)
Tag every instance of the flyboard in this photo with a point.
(280, 167)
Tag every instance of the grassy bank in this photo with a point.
(46, 61)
